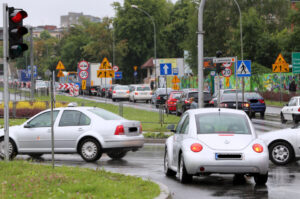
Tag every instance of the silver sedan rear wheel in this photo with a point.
(281, 153)
(90, 150)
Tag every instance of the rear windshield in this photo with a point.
(253, 96)
(143, 88)
(121, 88)
(222, 123)
(106, 115)
(176, 95)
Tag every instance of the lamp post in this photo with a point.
(154, 37)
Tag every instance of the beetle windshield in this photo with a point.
(222, 123)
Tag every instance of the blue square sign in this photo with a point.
(243, 68)
(165, 69)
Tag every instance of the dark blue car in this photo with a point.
(257, 103)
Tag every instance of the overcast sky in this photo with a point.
(48, 12)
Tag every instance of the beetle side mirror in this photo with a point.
(171, 127)
(27, 126)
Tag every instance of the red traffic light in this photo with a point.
(18, 15)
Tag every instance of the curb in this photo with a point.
(164, 191)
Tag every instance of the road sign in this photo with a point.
(105, 64)
(115, 68)
(60, 66)
(221, 60)
(135, 68)
(296, 62)
(175, 71)
(118, 75)
(175, 87)
(227, 65)
(83, 84)
(165, 69)
(135, 73)
(105, 73)
(227, 72)
(280, 65)
(175, 79)
(213, 73)
(83, 74)
(83, 65)
(60, 74)
(243, 68)
(29, 71)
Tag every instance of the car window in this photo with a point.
(43, 120)
(106, 115)
(180, 124)
(185, 126)
(121, 88)
(221, 122)
(74, 118)
(143, 88)
(293, 102)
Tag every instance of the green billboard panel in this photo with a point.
(296, 62)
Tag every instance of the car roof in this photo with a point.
(214, 110)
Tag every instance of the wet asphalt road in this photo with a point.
(284, 181)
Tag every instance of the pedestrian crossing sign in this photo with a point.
(243, 68)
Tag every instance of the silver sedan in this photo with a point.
(215, 140)
(88, 131)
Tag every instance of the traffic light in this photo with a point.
(219, 67)
(16, 31)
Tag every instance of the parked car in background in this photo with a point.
(257, 103)
(187, 97)
(102, 90)
(228, 100)
(88, 131)
(140, 92)
(283, 145)
(120, 92)
(291, 111)
(214, 101)
(170, 105)
(110, 90)
(159, 97)
(214, 140)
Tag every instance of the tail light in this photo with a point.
(261, 101)
(257, 148)
(119, 130)
(196, 147)
(158, 97)
(127, 91)
(223, 105)
(298, 109)
(172, 101)
(141, 129)
(136, 93)
(247, 105)
(186, 101)
(151, 93)
(103, 89)
(110, 89)
(211, 102)
(114, 91)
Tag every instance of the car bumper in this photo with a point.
(251, 163)
(123, 141)
(142, 97)
(172, 107)
(126, 96)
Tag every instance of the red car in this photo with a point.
(172, 100)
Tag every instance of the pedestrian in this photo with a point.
(152, 85)
(293, 87)
(194, 105)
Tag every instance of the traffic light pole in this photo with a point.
(32, 87)
(5, 74)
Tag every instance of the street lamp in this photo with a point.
(154, 37)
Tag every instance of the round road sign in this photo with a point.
(83, 65)
(115, 68)
(227, 65)
(227, 72)
(83, 74)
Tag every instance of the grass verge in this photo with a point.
(275, 103)
(20, 179)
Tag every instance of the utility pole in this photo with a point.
(200, 53)
(32, 87)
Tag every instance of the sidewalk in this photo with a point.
(273, 111)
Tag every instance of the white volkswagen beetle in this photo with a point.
(88, 131)
(284, 145)
(214, 140)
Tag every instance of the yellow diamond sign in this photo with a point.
(60, 66)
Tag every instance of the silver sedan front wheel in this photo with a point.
(281, 153)
(11, 149)
(90, 150)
